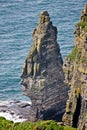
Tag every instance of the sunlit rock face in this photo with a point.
(42, 74)
(75, 69)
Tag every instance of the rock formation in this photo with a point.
(42, 74)
(75, 69)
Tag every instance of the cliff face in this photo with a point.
(75, 69)
(42, 74)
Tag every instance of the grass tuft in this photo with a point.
(41, 125)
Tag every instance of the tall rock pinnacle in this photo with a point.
(75, 68)
(42, 74)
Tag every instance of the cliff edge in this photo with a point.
(75, 69)
(42, 73)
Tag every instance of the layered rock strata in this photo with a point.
(75, 68)
(42, 74)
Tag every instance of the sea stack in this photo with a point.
(42, 73)
(75, 68)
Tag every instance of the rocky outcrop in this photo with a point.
(42, 74)
(75, 68)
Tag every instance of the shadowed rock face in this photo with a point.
(42, 74)
(75, 68)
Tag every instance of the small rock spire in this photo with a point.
(85, 9)
(44, 17)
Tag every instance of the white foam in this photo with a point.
(9, 102)
(10, 109)
(4, 103)
(10, 117)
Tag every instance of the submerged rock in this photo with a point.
(75, 68)
(42, 74)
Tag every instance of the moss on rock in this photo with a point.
(74, 54)
(82, 25)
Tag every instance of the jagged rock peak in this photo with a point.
(44, 17)
(81, 26)
(42, 74)
(75, 69)
(85, 9)
(44, 34)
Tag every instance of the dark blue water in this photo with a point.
(18, 18)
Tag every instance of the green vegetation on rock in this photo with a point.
(74, 54)
(83, 60)
(69, 128)
(83, 20)
(82, 25)
(41, 125)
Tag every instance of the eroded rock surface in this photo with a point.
(42, 74)
(75, 68)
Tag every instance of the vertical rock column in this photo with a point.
(42, 74)
(75, 68)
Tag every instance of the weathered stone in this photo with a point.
(42, 73)
(75, 68)
(85, 9)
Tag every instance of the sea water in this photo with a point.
(18, 18)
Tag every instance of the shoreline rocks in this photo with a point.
(16, 111)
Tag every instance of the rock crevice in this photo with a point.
(75, 69)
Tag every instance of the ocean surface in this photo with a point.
(18, 18)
